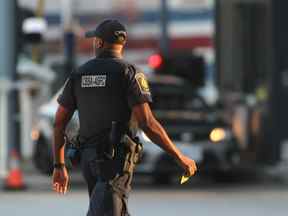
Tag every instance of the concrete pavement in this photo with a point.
(251, 196)
(200, 197)
(245, 200)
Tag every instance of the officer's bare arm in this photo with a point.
(154, 130)
(62, 118)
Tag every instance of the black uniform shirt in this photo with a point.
(104, 90)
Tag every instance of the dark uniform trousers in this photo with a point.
(107, 198)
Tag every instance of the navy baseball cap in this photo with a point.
(111, 31)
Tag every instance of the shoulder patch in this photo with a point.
(142, 83)
(89, 81)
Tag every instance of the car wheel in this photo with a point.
(165, 168)
(43, 156)
(162, 179)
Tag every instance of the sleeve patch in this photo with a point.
(142, 83)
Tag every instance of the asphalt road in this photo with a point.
(199, 197)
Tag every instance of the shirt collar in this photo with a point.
(109, 54)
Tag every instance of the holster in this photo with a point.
(117, 153)
(134, 150)
(126, 155)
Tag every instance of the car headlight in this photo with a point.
(35, 134)
(218, 135)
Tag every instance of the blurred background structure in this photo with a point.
(217, 70)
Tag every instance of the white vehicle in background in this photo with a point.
(196, 130)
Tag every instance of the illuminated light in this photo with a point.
(155, 61)
(217, 135)
(35, 134)
(34, 25)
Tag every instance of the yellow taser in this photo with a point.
(184, 178)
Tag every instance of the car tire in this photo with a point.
(162, 179)
(42, 156)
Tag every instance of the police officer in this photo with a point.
(107, 89)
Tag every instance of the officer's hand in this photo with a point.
(188, 165)
(60, 180)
